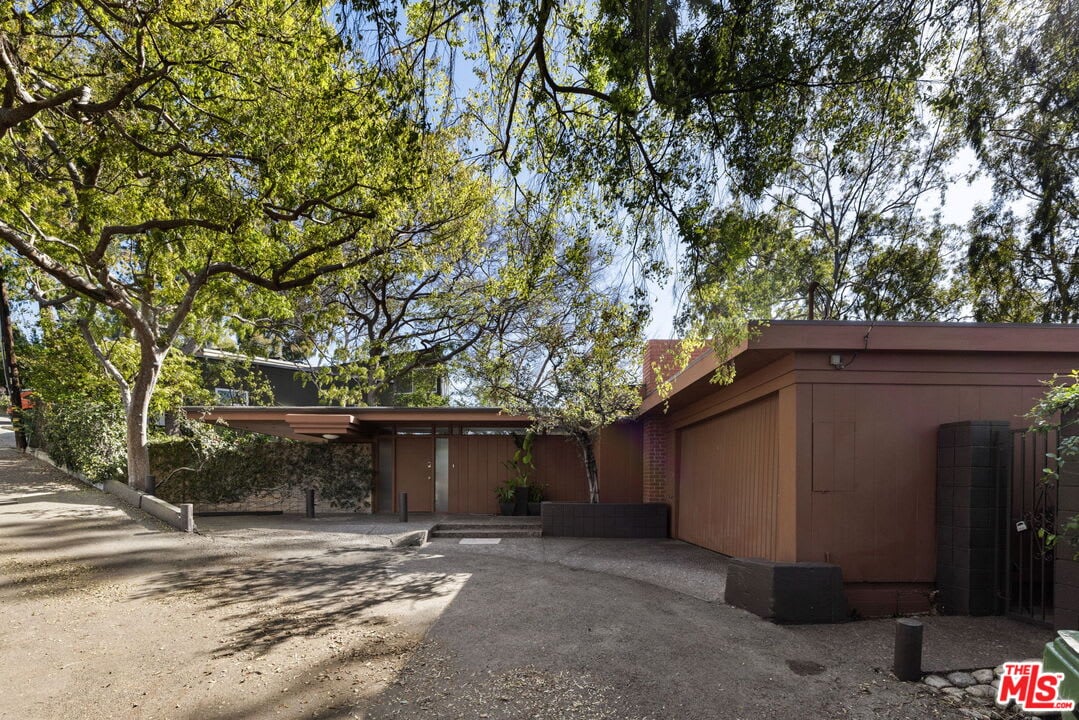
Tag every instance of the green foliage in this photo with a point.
(1015, 103)
(521, 465)
(84, 435)
(1057, 410)
(568, 359)
(218, 465)
(507, 491)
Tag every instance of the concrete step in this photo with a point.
(523, 524)
(486, 532)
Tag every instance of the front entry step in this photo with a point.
(523, 528)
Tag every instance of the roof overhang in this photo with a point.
(347, 424)
(770, 341)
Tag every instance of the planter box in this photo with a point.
(607, 520)
(803, 592)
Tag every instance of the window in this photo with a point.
(231, 396)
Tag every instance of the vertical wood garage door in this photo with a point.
(727, 481)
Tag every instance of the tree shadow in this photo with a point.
(276, 600)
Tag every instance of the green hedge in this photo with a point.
(87, 437)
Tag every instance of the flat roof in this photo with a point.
(315, 423)
(770, 340)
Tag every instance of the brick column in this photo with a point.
(655, 460)
(1065, 567)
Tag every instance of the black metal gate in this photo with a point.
(1031, 524)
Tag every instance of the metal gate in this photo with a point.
(1032, 517)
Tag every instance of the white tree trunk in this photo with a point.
(588, 454)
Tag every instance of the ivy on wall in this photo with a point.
(200, 470)
(201, 464)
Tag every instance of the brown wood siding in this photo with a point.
(872, 504)
(728, 474)
(478, 466)
(559, 467)
(619, 454)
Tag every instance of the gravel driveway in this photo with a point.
(110, 615)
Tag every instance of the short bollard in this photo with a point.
(311, 503)
(151, 485)
(187, 517)
(402, 506)
(908, 650)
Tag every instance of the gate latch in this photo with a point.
(1021, 526)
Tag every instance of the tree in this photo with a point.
(171, 165)
(847, 229)
(568, 359)
(1017, 103)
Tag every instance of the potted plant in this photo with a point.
(507, 496)
(521, 468)
(535, 498)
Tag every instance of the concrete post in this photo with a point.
(187, 517)
(402, 506)
(310, 502)
(908, 650)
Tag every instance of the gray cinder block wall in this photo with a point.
(972, 464)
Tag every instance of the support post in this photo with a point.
(310, 502)
(402, 506)
(908, 650)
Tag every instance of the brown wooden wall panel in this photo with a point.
(478, 466)
(728, 481)
(621, 470)
(877, 518)
(559, 467)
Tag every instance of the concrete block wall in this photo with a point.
(972, 481)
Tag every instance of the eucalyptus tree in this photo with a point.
(849, 229)
(173, 164)
(1017, 104)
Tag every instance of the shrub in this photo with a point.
(86, 436)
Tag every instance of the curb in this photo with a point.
(181, 517)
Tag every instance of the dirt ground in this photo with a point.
(108, 614)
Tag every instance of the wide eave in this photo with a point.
(347, 424)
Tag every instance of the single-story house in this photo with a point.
(823, 449)
(449, 459)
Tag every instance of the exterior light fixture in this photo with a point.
(836, 361)
(330, 436)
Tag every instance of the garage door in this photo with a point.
(727, 481)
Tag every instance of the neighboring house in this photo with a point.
(297, 384)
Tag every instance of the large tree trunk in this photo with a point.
(588, 453)
(138, 411)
